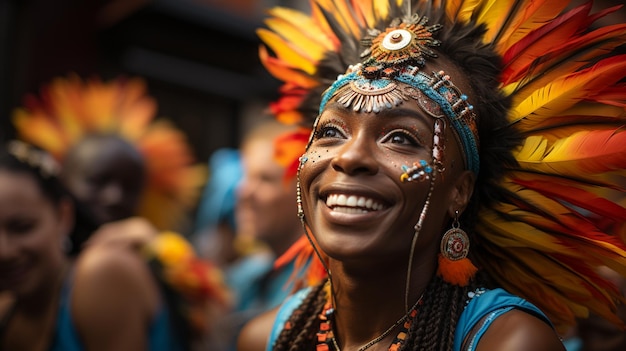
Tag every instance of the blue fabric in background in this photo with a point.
(218, 200)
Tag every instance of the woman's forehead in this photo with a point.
(457, 76)
(407, 108)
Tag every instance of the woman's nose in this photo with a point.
(357, 156)
(112, 194)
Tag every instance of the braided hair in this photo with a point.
(433, 329)
(299, 331)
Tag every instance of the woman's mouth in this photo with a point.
(353, 204)
(11, 276)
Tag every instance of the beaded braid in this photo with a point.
(434, 330)
(303, 323)
(436, 324)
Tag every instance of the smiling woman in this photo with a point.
(455, 181)
(106, 300)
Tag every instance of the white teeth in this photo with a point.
(361, 202)
(352, 203)
(341, 200)
(349, 210)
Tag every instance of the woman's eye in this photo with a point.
(21, 226)
(402, 137)
(328, 132)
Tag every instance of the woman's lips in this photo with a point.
(10, 276)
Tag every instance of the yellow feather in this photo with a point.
(297, 21)
(40, 131)
(467, 9)
(134, 119)
(100, 106)
(285, 73)
(381, 8)
(493, 14)
(574, 147)
(290, 55)
(67, 103)
(136, 111)
(533, 149)
(583, 153)
(343, 16)
(452, 8)
(297, 40)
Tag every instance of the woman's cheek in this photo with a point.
(313, 163)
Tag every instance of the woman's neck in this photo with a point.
(39, 301)
(32, 320)
(369, 303)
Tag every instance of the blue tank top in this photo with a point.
(487, 304)
(66, 338)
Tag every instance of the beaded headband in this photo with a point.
(37, 159)
(396, 56)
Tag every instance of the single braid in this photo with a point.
(303, 327)
(445, 315)
(434, 318)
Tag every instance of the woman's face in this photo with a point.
(107, 175)
(354, 200)
(31, 233)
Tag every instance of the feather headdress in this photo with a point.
(70, 108)
(553, 213)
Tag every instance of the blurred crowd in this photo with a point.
(114, 237)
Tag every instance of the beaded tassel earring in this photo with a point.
(454, 266)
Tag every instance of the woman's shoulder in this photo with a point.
(498, 320)
(520, 330)
(116, 286)
(111, 265)
(255, 335)
(259, 332)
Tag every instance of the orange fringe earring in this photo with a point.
(454, 266)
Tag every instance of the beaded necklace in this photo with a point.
(326, 340)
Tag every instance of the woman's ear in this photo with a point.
(461, 192)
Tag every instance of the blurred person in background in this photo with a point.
(121, 165)
(106, 300)
(118, 160)
(215, 229)
(265, 214)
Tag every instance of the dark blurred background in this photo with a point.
(198, 57)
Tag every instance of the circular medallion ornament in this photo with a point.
(402, 43)
(397, 39)
(455, 244)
